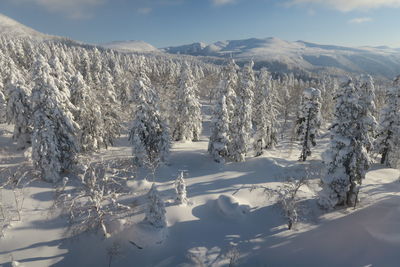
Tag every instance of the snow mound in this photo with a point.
(231, 206)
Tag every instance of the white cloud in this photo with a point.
(360, 20)
(349, 5)
(222, 2)
(75, 9)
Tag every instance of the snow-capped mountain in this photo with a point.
(280, 55)
(9, 26)
(131, 46)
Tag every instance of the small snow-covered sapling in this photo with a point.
(155, 212)
(180, 189)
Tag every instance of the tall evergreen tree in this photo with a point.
(188, 121)
(241, 122)
(347, 159)
(219, 139)
(19, 109)
(149, 135)
(265, 113)
(87, 115)
(388, 135)
(308, 120)
(54, 145)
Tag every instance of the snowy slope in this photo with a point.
(230, 218)
(300, 54)
(11, 27)
(131, 46)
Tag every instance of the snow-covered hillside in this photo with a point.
(274, 52)
(131, 46)
(11, 27)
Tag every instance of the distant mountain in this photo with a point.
(11, 27)
(273, 53)
(280, 55)
(131, 46)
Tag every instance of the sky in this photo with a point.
(165, 23)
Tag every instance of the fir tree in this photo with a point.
(155, 212)
(366, 89)
(219, 139)
(180, 189)
(87, 115)
(264, 113)
(54, 143)
(388, 136)
(187, 124)
(241, 122)
(19, 110)
(3, 108)
(308, 120)
(347, 159)
(149, 135)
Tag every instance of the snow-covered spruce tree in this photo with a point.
(19, 110)
(110, 109)
(3, 108)
(219, 139)
(264, 113)
(241, 122)
(347, 158)
(155, 212)
(149, 135)
(187, 125)
(366, 88)
(387, 142)
(308, 120)
(87, 115)
(54, 144)
(180, 189)
(229, 84)
(221, 127)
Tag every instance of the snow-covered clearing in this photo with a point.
(233, 217)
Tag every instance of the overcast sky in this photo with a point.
(174, 22)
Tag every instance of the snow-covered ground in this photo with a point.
(232, 219)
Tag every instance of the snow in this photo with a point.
(299, 54)
(231, 206)
(131, 46)
(230, 217)
(9, 26)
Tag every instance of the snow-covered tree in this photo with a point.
(387, 142)
(149, 135)
(155, 212)
(221, 127)
(54, 144)
(264, 113)
(229, 84)
(219, 139)
(308, 120)
(366, 88)
(19, 110)
(3, 108)
(347, 158)
(109, 108)
(187, 125)
(87, 115)
(180, 189)
(241, 123)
